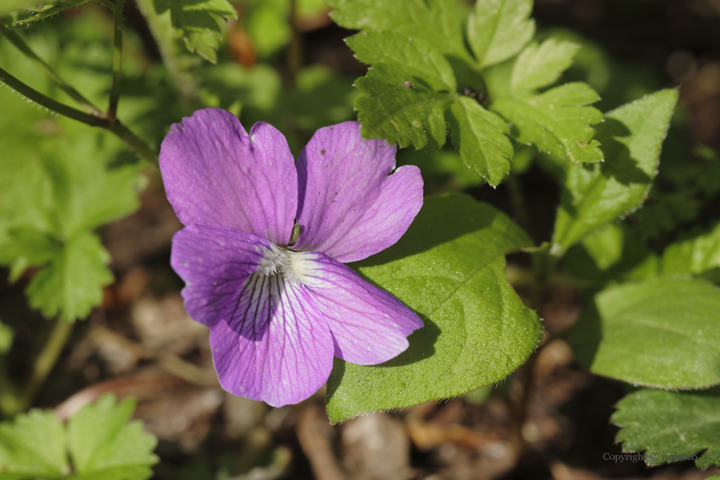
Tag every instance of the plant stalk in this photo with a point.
(46, 360)
(117, 60)
(139, 146)
(25, 49)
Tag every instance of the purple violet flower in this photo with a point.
(279, 311)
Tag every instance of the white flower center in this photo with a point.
(291, 265)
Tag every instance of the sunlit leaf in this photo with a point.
(104, 446)
(671, 425)
(557, 121)
(450, 268)
(480, 136)
(661, 332)
(499, 29)
(33, 446)
(540, 65)
(597, 194)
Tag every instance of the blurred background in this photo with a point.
(299, 76)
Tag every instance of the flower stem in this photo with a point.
(25, 49)
(117, 60)
(46, 360)
(139, 146)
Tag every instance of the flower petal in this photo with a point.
(368, 324)
(272, 344)
(214, 262)
(349, 207)
(216, 174)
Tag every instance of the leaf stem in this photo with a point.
(25, 49)
(139, 146)
(517, 199)
(117, 60)
(46, 360)
(106, 3)
(294, 51)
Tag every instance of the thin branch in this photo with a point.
(117, 60)
(46, 360)
(107, 3)
(139, 146)
(25, 49)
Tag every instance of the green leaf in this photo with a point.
(499, 29)
(658, 333)
(594, 195)
(33, 446)
(694, 255)
(71, 284)
(480, 137)
(679, 424)
(435, 21)
(196, 22)
(401, 113)
(47, 10)
(104, 446)
(557, 121)
(540, 65)
(449, 267)
(6, 338)
(412, 55)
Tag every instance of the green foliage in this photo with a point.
(556, 121)
(541, 65)
(450, 269)
(597, 194)
(689, 426)
(197, 23)
(99, 439)
(9, 6)
(499, 29)
(696, 255)
(661, 332)
(480, 136)
(46, 11)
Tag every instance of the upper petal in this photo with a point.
(368, 324)
(216, 174)
(272, 344)
(349, 208)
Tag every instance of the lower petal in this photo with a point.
(368, 325)
(272, 344)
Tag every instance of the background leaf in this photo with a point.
(594, 195)
(690, 424)
(658, 333)
(197, 23)
(694, 255)
(499, 29)
(104, 446)
(45, 11)
(449, 268)
(33, 446)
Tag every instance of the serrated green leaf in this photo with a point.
(540, 65)
(197, 23)
(671, 424)
(33, 446)
(103, 446)
(695, 255)
(400, 114)
(71, 284)
(479, 135)
(435, 21)
(450, 268)
(412, 55)
(498, 29)
(661, 332)
(557, 121)
(597, 194)
(48, 10)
